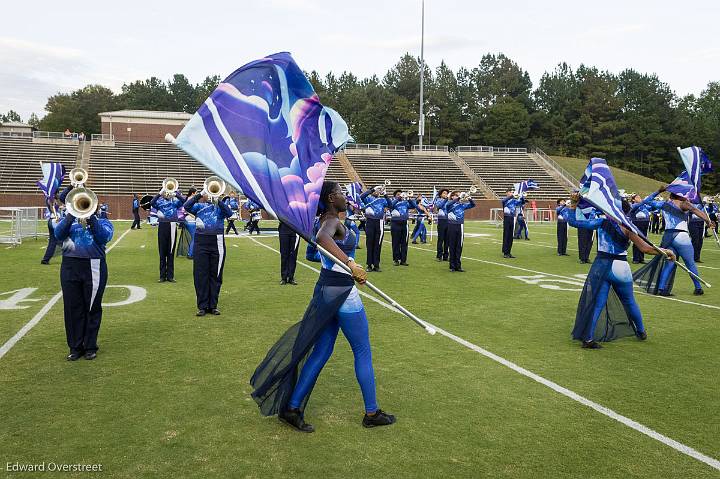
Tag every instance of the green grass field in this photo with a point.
(630, 182)
(168, 395)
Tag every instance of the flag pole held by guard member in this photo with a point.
(265, 132)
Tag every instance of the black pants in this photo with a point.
(231, 226)
(696, 230)
(52, 244)
(208, 264)
(455, 244)
(508, 227)
(83, 283)
(254, 226)
(374, 233)
(288, 255)
(642, 225)
(520, 228)
(167, 233)
(399, 232)
(585, 242)
(442, 251)
(562, 230)
(136, 220)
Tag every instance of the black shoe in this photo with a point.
(73, 356)
(380, 418)
(591, 345)
(438, 260)
(445, 259)
(368, 268)
(414, 242)
(377, 269)
(698, 292)
(294, 419)
(201, 312)
(452, 270)
(171, 280)
(664, 293)
(90, 355)
(162, 280)
(404, 264)
(460, 270)
(44, 262)
(396, 263)
(291, 281)
(508, 256)
(282, 281)
(636, 262)
(642, 336)
(215, 311)
(698, 261)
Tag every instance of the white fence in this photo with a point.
(537, 215)
(373, 146)
(102, 137)
(19, 223)
(489, 149)
(429, 148)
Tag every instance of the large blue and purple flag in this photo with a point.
(598, 187)
(53, 175)
(353, 192)
(265, 132)
(523, 187)
(696, 164)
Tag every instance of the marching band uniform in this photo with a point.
(521, 225)
(289, 244)
(167, 214)
(510, 205)
(420, 230)
(640, 216)
(232, 203)
(52, 241)
(349, 223)
(711, 208)
(456, 229)
(374, 206)
(103, 211)
(442, 226)
(696, 229)
(255, 216)
(83, 276)
(399, 213)
(136, 212)
(562, 230)
(585, 235)
(209, 251)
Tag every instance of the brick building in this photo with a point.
(142, 126)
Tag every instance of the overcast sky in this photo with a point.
(49, 47)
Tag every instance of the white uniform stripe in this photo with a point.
(297, 241)
(221, 252)
(173, 231)
(95, 270)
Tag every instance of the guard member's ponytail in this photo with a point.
(327, 188)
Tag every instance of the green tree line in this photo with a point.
(632, 119)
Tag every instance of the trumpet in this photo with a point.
(78, 177)
(214, 187)
(82, 203)
(466, 196)
(169, 187)
(382, 188)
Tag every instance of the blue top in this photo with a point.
(84, 241)
(611, 239)
(136, 204)
(400, 209)
(209, 217)
(232, 203)
(510, 205)
(63, 194)
(311, 252)
(456, 211)
(374, 206)
(347, 245)
(440, 206)
(562, 213)
(167, 209)
(675, 218)
(639, 211)
(103, 213)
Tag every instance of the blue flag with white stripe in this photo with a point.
(353, 192)
(688, 183)
(598, 187)
(265, 132)
(523, 187)
(53, 175)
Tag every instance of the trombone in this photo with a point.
(169, 187)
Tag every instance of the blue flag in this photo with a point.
(523, 187)
(53, 175)
(696, 164)
(265, 132)
(598, 187)
(353, 192)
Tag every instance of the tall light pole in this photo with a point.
(421, 123)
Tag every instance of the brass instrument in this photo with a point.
(466, 196)
(81, 203)
(214, 187)
(78, 177)
(169, 187)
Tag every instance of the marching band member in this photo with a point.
(510, 206)
(209, 249)
(374, 205)
(442, 225)
(455, 207)
(289, 244)
(280, 385)
(640, 216)
(609, 271)
(167, 206)
(711, 208)
(135, 212)
(562, 230)
(585, 235)
(399, 214)
(255, 211)
(420, 230)
(350, 216)
(83, 276)
(658, 275)
(103, 211)
(232, 203)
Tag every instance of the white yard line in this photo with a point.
(43, 311)
(678, 446)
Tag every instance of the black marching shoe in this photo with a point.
(215, 311)
(460, 270)
(294, 419)
(282, 282)
(698, 292)
(369, 268)
(377, 269)
(292, 281)
(642, 336)
(90, 355)
(591, 345)
(171, 280)
(73, 356)
(404, 264)
(162, 280)
(42, 261)
(201, 312)
(508, 256)
(380, 418)
(396, 263)
(452, 270)
(662, 292)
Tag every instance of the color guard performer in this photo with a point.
(232, 202)
(640, 216)
(420, 230)
(167, 203)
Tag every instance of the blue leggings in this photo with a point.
(682, 247)
(620, 279)
(354, 326)
(420, 231)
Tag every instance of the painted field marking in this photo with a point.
(43, 311)
(678, 446)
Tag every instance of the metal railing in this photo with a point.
(54, 135)
(504, 149)
(19, 223)
(429, 148)
(16, 134)
(102, 137)
(373, 146)
(574, 182)
(472, 174)
(476, 149)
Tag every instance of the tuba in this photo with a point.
(78, 177)
(169, 187)
(214, 187)
(81, 203)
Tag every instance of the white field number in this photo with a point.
(14, 299)
(551, 282)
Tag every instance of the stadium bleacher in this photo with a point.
(20, 162)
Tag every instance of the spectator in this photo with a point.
(81, 136)
(67, 133)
